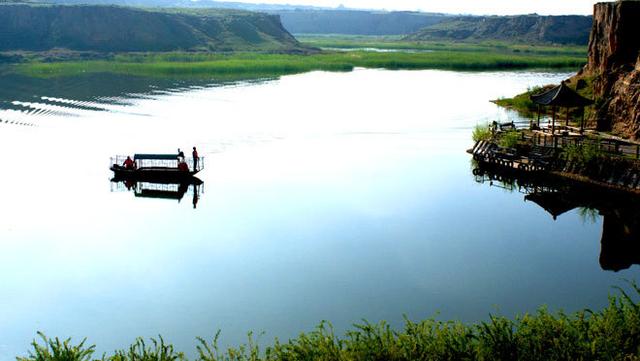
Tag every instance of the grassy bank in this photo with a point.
(397, 43)
(610, 334)
(523, 104)
(194, 64)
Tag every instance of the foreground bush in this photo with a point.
(610, 334)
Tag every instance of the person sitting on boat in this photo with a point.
(129, 163)
(183, 167)
(180, 156)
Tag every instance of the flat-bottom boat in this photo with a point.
(156, 167)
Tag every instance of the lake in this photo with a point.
(326, 196)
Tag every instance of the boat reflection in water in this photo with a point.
(620, 211)
(161, 189)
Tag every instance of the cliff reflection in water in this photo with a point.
(620, 212)
(161, 190)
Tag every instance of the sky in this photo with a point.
(479, 7)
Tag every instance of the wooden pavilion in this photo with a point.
(560, 96)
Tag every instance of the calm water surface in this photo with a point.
(326, 196)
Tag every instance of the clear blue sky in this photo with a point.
(498, 7)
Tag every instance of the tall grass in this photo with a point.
(522, 102)
(481, 132)
(610, 334)
(397, 43)
(54, 349)
(261, 64)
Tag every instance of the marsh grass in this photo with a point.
(610, 334)
(397, 43)
(481, 132)
(54, 349)
(522, 102)
(157, 350)
(268, 65)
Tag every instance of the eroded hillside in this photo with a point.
(124, 29)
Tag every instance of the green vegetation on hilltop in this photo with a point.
(610, 334)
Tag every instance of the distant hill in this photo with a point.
(196, 4)
(570, 29)
(300, 19)
(356, 22)
(114, 29)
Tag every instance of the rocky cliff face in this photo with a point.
(122, 29)
(614, 66)
(521, 28)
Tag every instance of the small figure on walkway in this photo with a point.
(129, 163)
(195, 159)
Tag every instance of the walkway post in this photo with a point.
(553, 125)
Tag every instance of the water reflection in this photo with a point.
(25, 100)
(334, 199)
(620, 212)
(159, 189)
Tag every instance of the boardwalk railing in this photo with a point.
(608, 145)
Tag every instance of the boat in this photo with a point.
(156, 167)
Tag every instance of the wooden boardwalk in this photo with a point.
(491, 153)
(543, 161)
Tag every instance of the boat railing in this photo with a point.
(159, 160)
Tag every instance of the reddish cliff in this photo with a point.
(614, 65)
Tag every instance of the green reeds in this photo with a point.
(481, 132)
(610, 334)
(266, 65)
(54, 349)
(522, 103)
(397, 43)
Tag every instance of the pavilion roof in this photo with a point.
(561, 96)
(551, 202)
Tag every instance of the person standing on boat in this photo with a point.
(128, 163)
(195, 159)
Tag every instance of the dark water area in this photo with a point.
(618, 210)
(325, 196)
